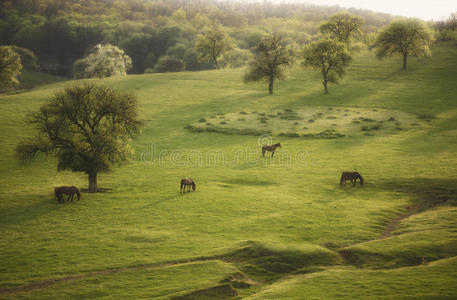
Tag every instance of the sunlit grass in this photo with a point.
(291, 200)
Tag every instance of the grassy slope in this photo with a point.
(275, 203)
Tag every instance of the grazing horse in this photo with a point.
(187, 182)
(352, 176)
(67, 190)
(271, 148)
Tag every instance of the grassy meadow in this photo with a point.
(256, 228)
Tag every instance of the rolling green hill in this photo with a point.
(262, 228)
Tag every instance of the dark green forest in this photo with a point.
(158, 35)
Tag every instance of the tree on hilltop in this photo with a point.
(271, 56)
(409, 37)
(342, 27)
(330, 57)
(86, 127)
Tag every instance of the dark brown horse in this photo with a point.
(187, 182)
(271, 148)
(352, 176)
(70, 191)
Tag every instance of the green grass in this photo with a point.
(267, 227)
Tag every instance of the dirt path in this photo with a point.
(410, 210)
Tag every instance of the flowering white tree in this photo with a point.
(103, 61)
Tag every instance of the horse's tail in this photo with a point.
(342, 179)
(78, 193)
(193, 185)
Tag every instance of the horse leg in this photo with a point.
(272, 153)
(354, 182)
(263, 152)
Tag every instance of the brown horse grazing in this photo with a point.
(271, 148)
(67, 190)
(187, 182)
(352, 176)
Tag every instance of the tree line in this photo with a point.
(160, 35)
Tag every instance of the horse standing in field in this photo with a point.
(70, 191)
(271, 148)
(352, 176)
(187, 182)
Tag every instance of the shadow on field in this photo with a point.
(428, 192)
(21, 213)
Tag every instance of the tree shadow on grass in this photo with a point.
(32, 210)
(428, 192)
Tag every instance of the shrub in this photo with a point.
(168, 64)
(229, 131)
(426, 116)
(289, 134)
(290, 115)
(366, 119)
(327, 134)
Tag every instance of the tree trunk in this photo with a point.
(325, 86)
(270, 85)
(324, 82)
(92, 182)
(216, 63)
(405, 59)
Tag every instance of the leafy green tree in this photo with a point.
(330, 57)
(342, 27)
(86, 127)
(103, 61)
(10, 67)
(271, 56)
(409, 37)
(212, 45)
(168, 64)
(136, 47)
(236, 58)
(28, 58)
